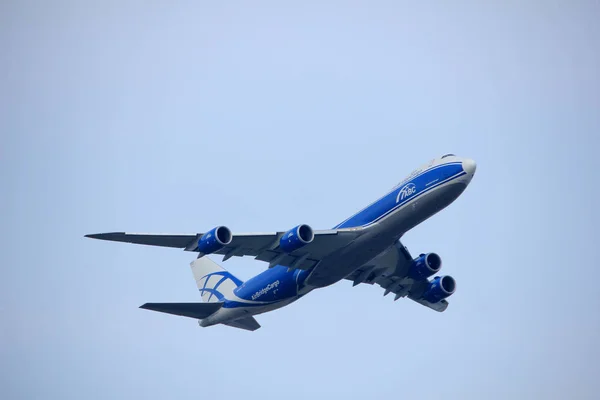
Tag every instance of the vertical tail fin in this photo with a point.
(215, 283)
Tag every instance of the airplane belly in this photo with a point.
(383, 235)
(241, 311)
(273, 285)
(343, 263)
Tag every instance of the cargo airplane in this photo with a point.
(365, 248)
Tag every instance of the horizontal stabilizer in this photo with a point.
(192, 310)
(248, 323)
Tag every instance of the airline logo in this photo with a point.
(406, 191)
(265, 290)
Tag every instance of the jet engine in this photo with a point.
(296, 238)
(439, 288)
(214, 240)
(424, 266)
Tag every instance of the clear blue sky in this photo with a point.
(157, 116)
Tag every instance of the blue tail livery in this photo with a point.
(364, 248)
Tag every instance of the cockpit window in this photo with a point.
(448, 155)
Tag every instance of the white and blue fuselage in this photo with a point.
(426, 191)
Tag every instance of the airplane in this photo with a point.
(365, 248)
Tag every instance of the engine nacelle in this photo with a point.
(424, 266)
(439, 288)
(214, 240)
(296, 237)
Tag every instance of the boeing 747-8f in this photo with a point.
(365, 248)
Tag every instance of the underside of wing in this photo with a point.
(152, 239)
(271, 247)
(397, 272)
(268, 248)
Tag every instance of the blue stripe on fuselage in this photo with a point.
(395, 199)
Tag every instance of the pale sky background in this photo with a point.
(161, 116)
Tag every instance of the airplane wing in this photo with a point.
(389, 271)
(261, 246)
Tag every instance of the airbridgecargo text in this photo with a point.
(266, 289)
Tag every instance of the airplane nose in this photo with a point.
(469, 166)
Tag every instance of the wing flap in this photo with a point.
(396, 259)
(440, 306)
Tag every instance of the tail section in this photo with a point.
(216, 284)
